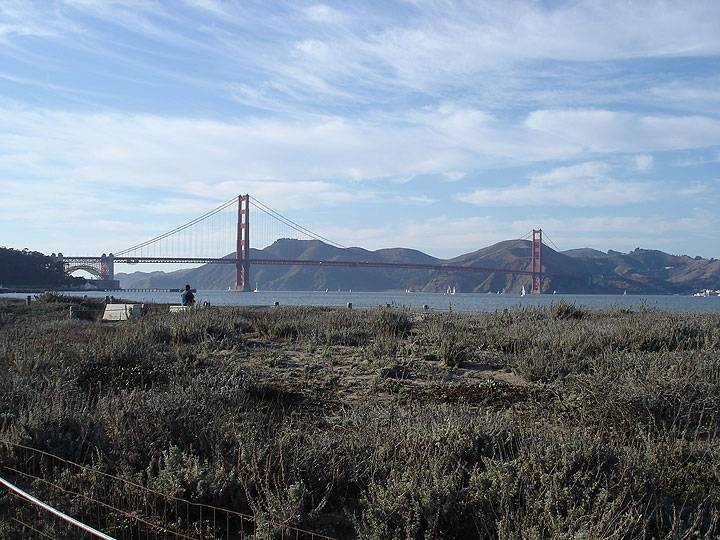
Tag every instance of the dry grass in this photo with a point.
(539, 423)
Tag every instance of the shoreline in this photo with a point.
(461, 302)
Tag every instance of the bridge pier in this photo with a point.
(107, 267)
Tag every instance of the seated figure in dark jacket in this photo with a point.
(188, 298)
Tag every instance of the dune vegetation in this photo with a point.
(375, 424)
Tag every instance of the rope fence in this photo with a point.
(60, 498)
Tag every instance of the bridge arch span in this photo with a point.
(84, 267)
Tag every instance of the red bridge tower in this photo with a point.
(242, 252)
(536, 266)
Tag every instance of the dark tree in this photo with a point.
(31, 268)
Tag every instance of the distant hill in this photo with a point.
(650, 271)
(575, 271)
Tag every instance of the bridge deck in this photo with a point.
(301, 262)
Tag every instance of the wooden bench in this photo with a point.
(121, 312)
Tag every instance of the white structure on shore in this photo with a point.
(708, 292)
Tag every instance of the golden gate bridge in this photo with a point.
(222, 236)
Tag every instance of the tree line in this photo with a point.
(25, 268)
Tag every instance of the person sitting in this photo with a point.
(188, 298)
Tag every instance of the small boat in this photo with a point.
(256, 287)
(625, 293)
(522, 292)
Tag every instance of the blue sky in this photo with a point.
(442, 126)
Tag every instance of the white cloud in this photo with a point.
(162, 151)
(324, 14)
(581, 185)
(121, 150)
(570, 173)
(612, 131)
(643, 163)
(23, 19)
(442, 44)
(454, 176)
(694, 189)
(586, 184)
(698, 160)
(700, 94)
(427, 45)
(213, 6)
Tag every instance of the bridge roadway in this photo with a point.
(302, 262)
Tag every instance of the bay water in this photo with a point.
(463, 302)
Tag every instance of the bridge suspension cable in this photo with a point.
(214, 233)
(554, 245)
(180, 228)
(290, 223)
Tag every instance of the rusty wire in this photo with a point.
(27, 525)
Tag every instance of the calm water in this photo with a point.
(437, 301)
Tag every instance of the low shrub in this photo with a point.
(452, 351)
(391, 322)
(564, 310)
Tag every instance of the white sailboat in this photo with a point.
(522, 293)
(256, 287)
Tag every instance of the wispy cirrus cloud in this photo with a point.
(398, 47)
(583, 185)
(142, 149)
(587, 184)
(323, 13)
